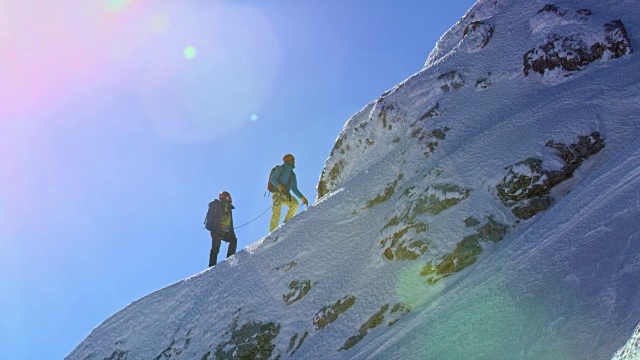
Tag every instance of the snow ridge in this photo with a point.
(484, 208)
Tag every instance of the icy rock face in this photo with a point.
(466, 252)
(526, 186)
(471, 33)
(253, 340)
(571, 52)
(385, 314)
(176, 348)
(298, 290)
(407, 127)
(329, 314)
(631, 350)
(477, 35)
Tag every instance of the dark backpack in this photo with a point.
(208, 220)
(270, 186)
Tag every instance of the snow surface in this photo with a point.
(416, 174)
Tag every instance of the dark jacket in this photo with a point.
(217, 207)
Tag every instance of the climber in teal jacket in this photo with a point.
(283, 181)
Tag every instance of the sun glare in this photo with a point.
(190, 52)
(117, 5)
(238, 56)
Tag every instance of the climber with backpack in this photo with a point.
(282, 181)
(219, 221)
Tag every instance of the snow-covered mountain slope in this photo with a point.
(487, 207)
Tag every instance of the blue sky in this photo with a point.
(113, 141)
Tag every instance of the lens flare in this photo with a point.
(189, 52)
(238, 57)
(117, 5)
(414, 291)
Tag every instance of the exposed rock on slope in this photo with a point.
(582, 46)
(477, 35)
(253, 340)
(526, 186)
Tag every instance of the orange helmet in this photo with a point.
(225, 196)
(288, 157)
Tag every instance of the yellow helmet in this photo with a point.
(288, 157)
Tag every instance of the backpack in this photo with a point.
(208, 220)
(270, 186)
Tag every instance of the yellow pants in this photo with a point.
(279, 199)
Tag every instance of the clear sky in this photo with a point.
(121, 119)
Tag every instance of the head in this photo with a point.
(225, 197)
(289, 160)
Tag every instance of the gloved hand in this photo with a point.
(281, 188)
(304, 200)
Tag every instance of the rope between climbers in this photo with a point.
(237, 227)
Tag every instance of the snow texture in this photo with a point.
(478, 210)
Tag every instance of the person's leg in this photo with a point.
(276, 209)
(233, 243)
(215, 249)
(292, 204)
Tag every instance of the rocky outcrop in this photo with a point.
(294, 343)
(484, 82)
(329, 314)
(449, 81)
(465, 253)
(298, 290)
(574, 51)
(374, 321)
(476, 36)
(435, 109)
(526, 186)
(286, 267)
(550, 8)
(175, 348)
(408, 240)
(387, 193)
(253, 340)
(523, 189)
(406, 243)
(439, 197)
(333, 174)
(323, 318)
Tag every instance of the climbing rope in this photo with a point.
(237, 227)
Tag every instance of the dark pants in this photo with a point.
(215, 247)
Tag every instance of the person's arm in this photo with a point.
(294, 186)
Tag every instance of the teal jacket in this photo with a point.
(284, 175)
